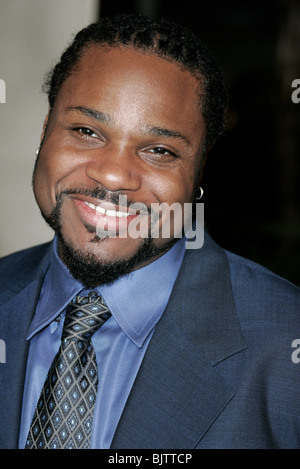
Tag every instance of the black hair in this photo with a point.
(162, 37)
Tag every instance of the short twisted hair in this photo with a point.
(162, 37)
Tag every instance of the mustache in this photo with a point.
(98, 193)
(104, 195)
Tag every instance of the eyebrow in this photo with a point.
(97, 115)
(163, 132)
(148, 129)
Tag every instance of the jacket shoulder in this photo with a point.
(23, 266)
(27, 256)
(256, 289)
(256, 272)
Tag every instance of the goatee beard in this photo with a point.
(86, 267)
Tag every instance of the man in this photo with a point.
(195, 348)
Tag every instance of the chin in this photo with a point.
(92, 271)
(95, 261)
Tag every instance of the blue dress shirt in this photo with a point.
(136, 302)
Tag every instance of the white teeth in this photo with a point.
(100, 209)
(122, 214)
(109, 213)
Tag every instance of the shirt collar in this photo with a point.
(58, 289)
(136, 300)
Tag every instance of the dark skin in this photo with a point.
(127, 122)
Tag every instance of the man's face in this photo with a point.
(124, 123)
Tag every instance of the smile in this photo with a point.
(107, 212)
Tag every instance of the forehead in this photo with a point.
(133, 86)
(121, 65)
(127, 59)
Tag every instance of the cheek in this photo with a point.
(174, 186)
(55, 170)
(41, 185)
(48, 171)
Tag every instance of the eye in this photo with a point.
(85, 132)
(162, 151)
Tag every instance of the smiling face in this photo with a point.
(124, 123)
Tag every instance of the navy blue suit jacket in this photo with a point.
(218, 372)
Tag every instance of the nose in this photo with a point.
(115, 170)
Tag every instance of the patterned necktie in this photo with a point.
(64, 414)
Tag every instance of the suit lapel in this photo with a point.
(178, 393)
(16, 316)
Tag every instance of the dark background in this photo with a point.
(251, 177)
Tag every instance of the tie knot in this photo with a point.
(84, 315)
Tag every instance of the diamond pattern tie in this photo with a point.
(64, 414)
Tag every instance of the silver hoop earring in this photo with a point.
(37, 151)
(199, 193)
